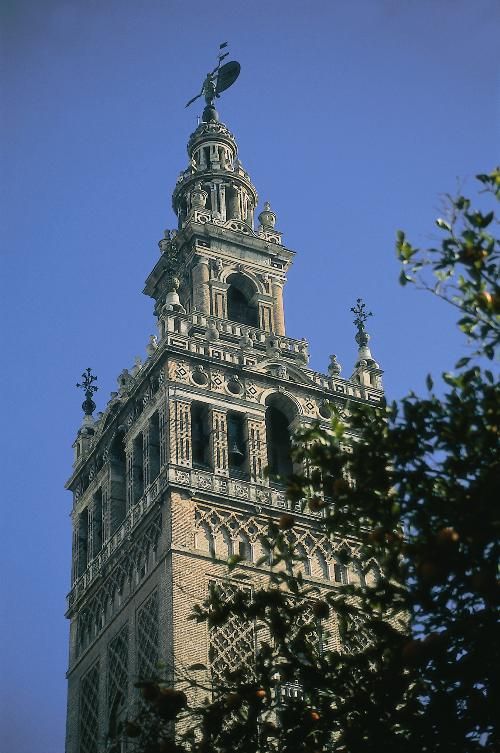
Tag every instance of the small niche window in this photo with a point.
(340, 573)
(325, 409)
(83, 539)
(234, 386)
(245, 548)
(240, 295)
(200, 376)
(117, 494)
(200, 435)
(237, 445)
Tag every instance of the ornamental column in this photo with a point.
(278, 309)
(219, 449)
(180, 432)
(257, 449)
(201, 291)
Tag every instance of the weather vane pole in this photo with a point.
(360, 317)
(218, 80)
(88, 387)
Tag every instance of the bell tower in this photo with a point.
(186, 464)
(216, 263)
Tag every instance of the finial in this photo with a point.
(267, 218)
(334, 367)
(360, 317)
(88, 387)
(217, 81)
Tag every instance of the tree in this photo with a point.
(417, 664)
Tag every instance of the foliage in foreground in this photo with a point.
(418, 667)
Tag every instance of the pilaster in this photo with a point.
(219, 449)
(257, 449)
(201, 291)
(180, 433)
(218, 298)
(278, 310)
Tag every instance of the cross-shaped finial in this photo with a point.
(360, 315)
(88, 387)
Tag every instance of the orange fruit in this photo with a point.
(286, 522)
(316, 504)
(233, 700)
(447, 536)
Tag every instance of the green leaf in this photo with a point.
(462, 362)
(233, 561)
(429, 382)
(404, 278)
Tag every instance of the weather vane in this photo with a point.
(360, 317)
(218, 80)
(88, 387)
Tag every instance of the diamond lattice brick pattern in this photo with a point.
(117, 667)
(232, 645)
(148, 637)
(89, 711)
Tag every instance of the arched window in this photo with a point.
(371, 575)
(204, 540)
(340, 573)
(244, 547)
(279, 413)
(303, 566)
(237, 445)
(239, 301)
(319, 565)
(200, 436)
(83, 540)
(224, 543)
(117, 464)
(138, 467)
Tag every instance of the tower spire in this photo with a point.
(366, 370)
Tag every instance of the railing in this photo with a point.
(224, 486)
(287, 345)
(132, 519)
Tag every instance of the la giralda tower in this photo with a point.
(168, 482)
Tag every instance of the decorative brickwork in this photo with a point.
(232, 645)
(117, 670)
(89, 711)
(148, 637)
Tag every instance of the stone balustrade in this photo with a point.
(259, 495)
(133, 518)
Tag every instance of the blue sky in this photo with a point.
(352, 119)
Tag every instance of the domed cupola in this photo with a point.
(215, 183)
